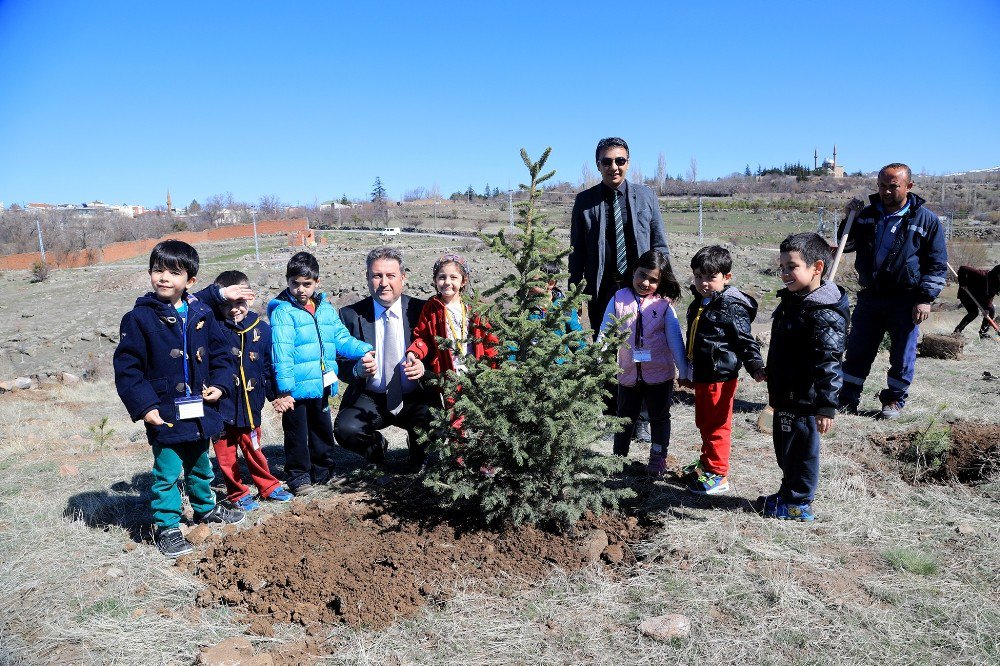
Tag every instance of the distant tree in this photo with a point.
(589, 178)
(635, 172)
(469, 193)
(496, 192)
(379, 200)
(746, 171)
(661, 171)
(14, 208)
(693, 170)
(194, 207)
(434, 192)
(269, 206)
(487, 191)
(344, 200)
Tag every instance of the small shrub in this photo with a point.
(100, 432)
(912, 560)
(40, 271)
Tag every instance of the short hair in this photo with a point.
(230, 278)
(712, 259)
(173, 254)
(384, 253)
(810, 246)
(898, 165)
(458, 260)
(302, 264)
(656, 260)
(552, 268)
(610, 142)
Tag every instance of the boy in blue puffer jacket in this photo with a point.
(172, 366)
(307, 335)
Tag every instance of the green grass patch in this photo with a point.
(913, 560)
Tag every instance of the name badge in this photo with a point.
(329, 377)
(253, 440)
(640, 355)
(191, 407)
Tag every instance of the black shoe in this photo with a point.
(304, 489)
(848, 409)
(642, 432)
(222, 513)
(376, 452)
(172, 543)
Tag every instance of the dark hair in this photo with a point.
(654, 259)
(552, 268)
(810, 246)
(385, 253)
(898, 165)
(302, 264)
(175, 255)
(610, 142)
(712, 259)
(230, 278)
(458, 260)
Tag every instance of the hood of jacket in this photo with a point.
(828, 295)
(730, 295)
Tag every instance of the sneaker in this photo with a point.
(279, 494)
(172, 543)
(891, 411)
(692, 470)
(222, 513)
(657, 461)
(642, 433)
(247, 503)
(304, 489)
(785, 511)
(769, 504)
(340, 482)
(848, 408)
(709, 484)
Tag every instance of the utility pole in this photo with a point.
(435, 215)
(510, 207)
(700, 227)
(256, 244)
(820, 228)
(41, 243)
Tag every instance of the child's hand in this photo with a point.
(237, 292)
(368, 363)
(760, 375)
(413, 367)
(211, 393)
(282, 405)
(823, 424)
(152, 418)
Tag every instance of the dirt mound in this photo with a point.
(348, 560)
(948, 347)
(963, 451)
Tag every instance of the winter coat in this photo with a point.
(722, 338)
(917, 263)
(304, 346)
(808, 333)
(982, 284)
(661, 334)
(434, 322)
(149, 366)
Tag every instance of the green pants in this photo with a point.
(168, 463)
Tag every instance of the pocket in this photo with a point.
(161, 386)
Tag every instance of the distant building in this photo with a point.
(334, 205)
(829, 166)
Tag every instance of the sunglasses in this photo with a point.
(620, 161)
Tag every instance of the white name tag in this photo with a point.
(329, 378)
(253, 440)
(192, 407)
(642, 355)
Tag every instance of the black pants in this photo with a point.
(796, 445)
(357, 422)
(308, 442)
(657, 398)
(973, 312)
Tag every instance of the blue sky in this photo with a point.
(120, 101)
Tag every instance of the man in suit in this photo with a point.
(613, 223)
(380, 392)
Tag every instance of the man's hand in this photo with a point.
(237, 292)
(413, 367)
(921, 313)
(823, 424)
(760, 376)
(854, 204)
(282, 405)
(211, 393)
(368, 364)
(152, 418)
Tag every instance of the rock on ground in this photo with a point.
(666, 627)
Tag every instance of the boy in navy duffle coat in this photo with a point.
(249, 339)
(171, 366)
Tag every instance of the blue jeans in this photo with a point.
(873, 317)
(796, 446)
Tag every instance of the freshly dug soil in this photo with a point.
(966, 452)
(346, 559)
(948, 347)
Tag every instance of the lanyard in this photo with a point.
(243, 375)
(456, 328)
(184, 347)
(694, 330)
(638, 319)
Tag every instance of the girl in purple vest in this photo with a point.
(651, 355)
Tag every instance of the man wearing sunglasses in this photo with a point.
(613, 223)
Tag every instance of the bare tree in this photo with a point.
(270, 207)
(661, 172)
(693, 171)
(635, 173)
(589, 177)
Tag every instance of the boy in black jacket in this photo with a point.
(803, 370)
(719, 341)
(171, 367)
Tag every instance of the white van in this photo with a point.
(390, 231)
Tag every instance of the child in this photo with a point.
(647, 359)
(550, 297)
(803, 370)
(718, 342)
(171, 367)
(976, 288)
(446, 315)
(249, 340)
(306, 336)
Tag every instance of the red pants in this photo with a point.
(234, 438)
(713, 414)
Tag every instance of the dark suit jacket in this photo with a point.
(588, 231)
(359, 318)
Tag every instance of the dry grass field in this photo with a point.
(891, 572)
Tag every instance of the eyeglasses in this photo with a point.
(620, 161)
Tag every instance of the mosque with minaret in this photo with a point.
(829, 167)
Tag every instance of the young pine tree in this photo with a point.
(516, 447)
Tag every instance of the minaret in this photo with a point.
(834, 157)
(815, 158)
(169, 207)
